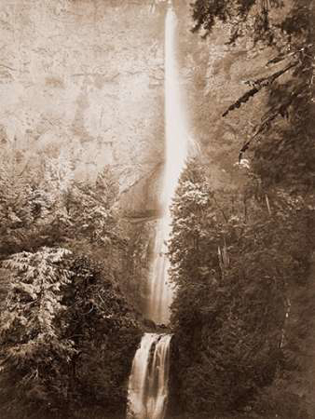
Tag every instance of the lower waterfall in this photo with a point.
(148, 384)
(148, 381)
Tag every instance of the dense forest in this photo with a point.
(67, 332)
(243, 315)
(241, 262)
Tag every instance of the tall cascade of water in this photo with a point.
(161, 292)
(148, 382)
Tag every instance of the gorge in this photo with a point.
(148, 382)
(157, 216)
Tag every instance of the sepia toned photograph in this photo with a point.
(157, 209)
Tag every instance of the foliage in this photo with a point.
(33, 348)
(53, 209)
(238, 12)
(286, 27)
(233, 266)
(15, 205)
(67, 336)
(90, 211)
(106, 333)
(282, 180)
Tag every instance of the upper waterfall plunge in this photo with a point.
(148, 383)
(176, 148)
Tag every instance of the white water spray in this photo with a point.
(148, 382)
(148, 388)
(176, 146)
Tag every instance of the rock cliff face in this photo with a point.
(213, 76)
(85, 79)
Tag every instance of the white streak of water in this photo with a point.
(148, 382)
(148, 386)
(176, 148)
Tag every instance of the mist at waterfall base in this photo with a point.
(148, 382)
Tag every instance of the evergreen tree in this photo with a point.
(284, 151)
(15, 209)
(233, 268)
(282, 180)
(34, 351)
(106, 335)
(68, 338)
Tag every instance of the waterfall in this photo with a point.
(148, 386)
(161, 292)
(148, 382)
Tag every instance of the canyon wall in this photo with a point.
(83, 80)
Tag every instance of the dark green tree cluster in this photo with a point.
(234, 260)
(34, 349)
(66, 338)
(46, 206)
(243, 331)
(282, 139)
(67, 334)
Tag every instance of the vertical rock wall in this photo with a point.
(85, 78)
(213, 76)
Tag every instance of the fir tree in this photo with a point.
(283, 149)
(15, 209)
(233, 271)
(33, 348)
(67, 338)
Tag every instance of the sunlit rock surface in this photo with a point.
(85, 79)
(214, 75)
